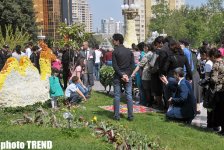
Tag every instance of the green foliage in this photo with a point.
(19, 109)
(49, 41)
(18, 14)
(13, 38)
(195, 24)
(75, 35)
(124, 138)
(93, 41)
(165, 133)
(72, 133)
(29, 108)
(40, 118)
(118, 135)
(162, 12)
(106, 76)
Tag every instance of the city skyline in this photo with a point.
(110, 26)
(113, 9)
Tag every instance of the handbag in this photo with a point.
(154, 63)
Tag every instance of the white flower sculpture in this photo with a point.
(21, 84)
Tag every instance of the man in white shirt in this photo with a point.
(98, 55)
(28, 51)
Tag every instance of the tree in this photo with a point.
(14, 38)
(93, 41)
(170, 22)
(215, 5)
(175, 25)
(73, 35)
(160, 14)
(18, 14)
(195, 24)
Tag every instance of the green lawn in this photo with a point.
(168, 134)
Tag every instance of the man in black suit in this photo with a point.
(123, 63)
(90, 58)
(182, 104)
(67, 56)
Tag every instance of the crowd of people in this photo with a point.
(169, 75)
(73, 72)
(172, 77)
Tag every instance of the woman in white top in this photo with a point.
(18, 53)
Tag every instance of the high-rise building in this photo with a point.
(104, 26)
(110, 26)
(81, 14)
(142, 21)
(176, 4)
(48, 16)
(119, 27)
(66, 11)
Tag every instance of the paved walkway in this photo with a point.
(200, 120)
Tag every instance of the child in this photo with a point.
(80, 86)
(55, 88)
(57, 64)
(72, 92)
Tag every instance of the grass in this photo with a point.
(169, 134)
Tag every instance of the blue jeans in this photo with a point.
(109, 63)
(82, 89)
(117, 97)
(75, 98)
(97, 71)
(174, 113)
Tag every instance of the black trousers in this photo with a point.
(65, 77)
(219, 109)
(147, 92)
(210, 120)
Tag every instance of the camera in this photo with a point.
(204, 82)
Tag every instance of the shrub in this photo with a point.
(106, 76)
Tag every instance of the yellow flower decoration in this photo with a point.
(13, 64)
(46, 57)
(24, 63)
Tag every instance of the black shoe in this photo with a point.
(130, 118)
(216, 129)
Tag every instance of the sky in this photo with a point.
(104, 9)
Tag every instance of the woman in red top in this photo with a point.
(108, 57)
